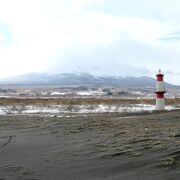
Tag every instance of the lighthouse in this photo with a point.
(160, 90)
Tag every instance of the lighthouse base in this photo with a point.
(160, 104)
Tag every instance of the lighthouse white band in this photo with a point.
(160, 86)
(160, 105)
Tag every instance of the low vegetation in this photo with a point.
(81, 101)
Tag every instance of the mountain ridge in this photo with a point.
(69, 79)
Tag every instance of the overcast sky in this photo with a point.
(101, 37)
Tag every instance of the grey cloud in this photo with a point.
(160, 10)
(174, 36)
(124, 57)
(169, 73)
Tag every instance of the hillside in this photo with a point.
(66, 79)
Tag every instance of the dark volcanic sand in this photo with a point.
(97, 147)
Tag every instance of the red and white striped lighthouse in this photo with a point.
(160, 90)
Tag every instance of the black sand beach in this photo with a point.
(93, 146)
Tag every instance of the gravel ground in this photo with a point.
(91, 146)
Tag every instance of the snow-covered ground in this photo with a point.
(90, 93)
(60, 109)
(58, 93)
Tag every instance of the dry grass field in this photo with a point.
(81, 101)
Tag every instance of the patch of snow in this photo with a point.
(44, 93)
(137, 93)
(90, 93)
(126, 117)
(2, 112)
(77, 109)
(70, 116)
(58, 93)
(84, 93)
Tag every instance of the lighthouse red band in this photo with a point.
(160, 91)
(159, 95)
